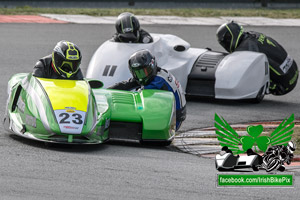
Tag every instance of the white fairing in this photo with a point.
(247, 160)
(220, 159)
(242, 161)
(241, 75)
(117, 54)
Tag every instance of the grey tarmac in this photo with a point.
(31, 170)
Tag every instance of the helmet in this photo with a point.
(127, 26)
(66, 58)
(291, 147)
(142, 66)
(229, 35)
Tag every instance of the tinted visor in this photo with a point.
(226, 41)
(140, 74)
(69, 66)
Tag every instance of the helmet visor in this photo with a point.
(69, 68)
(225, 41)
(142, 74)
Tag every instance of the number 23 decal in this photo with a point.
(66, 118)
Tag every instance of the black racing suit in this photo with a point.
(283, 69)
(44, 69)
(142, 37)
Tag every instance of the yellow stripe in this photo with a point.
(66, 93)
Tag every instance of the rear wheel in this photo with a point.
(156, 143)
(260, 96)
(255, 168)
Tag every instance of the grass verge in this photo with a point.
(196, 12)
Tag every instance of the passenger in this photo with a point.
(129, 31)
(147, 75)
(283, 69)
(63, 63)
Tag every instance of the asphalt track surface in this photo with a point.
(31, 170)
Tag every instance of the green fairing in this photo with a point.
(152, 108)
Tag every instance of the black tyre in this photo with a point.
(156, 143)
(255, 168)
(260, 96)
(281, 168)
(272, 165)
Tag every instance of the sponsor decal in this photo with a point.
(30, 121)
(70, 109)
(135, 64)
(286, 65)
(21, 105)
(127, 30)
(70, 127)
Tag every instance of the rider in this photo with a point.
(63, 63)
(281, 152)
(147, 75)
(129, 31)
(283, 69)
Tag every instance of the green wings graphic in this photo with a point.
(283, 133)
(227, 136)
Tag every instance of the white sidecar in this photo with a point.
(201, 72)
(227, 161)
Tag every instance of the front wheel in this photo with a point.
(273, 164)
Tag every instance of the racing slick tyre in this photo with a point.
(281, 168)
(156, 143)
(260, 96)
(255, 168)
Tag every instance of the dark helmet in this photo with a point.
(66, 58)
(142, 66)
(128, 26)
(229, 35)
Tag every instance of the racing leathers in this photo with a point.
(44, 69)
(283, 69)
(162, 81)
(141, 37)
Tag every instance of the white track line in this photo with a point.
(174, 20)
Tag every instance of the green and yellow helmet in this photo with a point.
(229, 35)
(66, 58)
